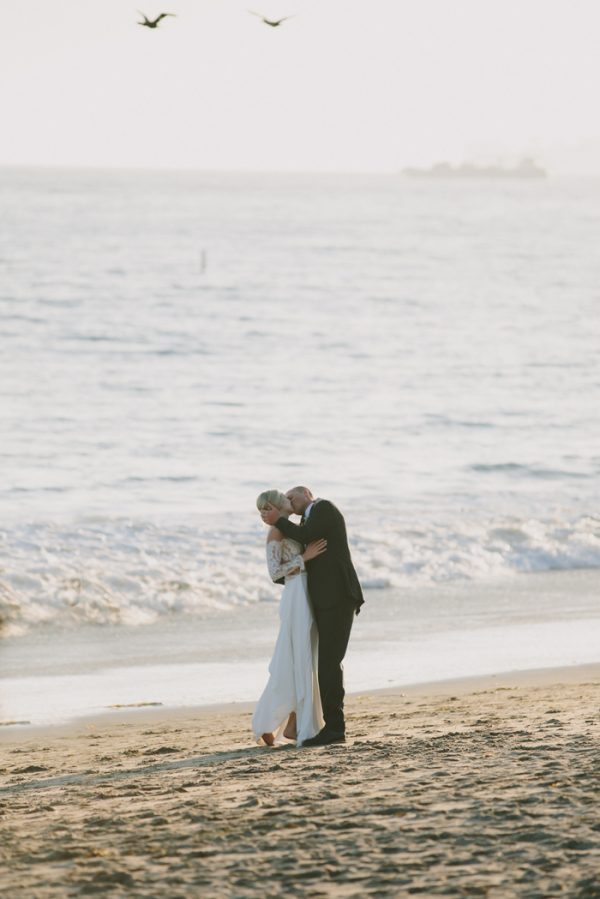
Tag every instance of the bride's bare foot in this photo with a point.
(269, 739)
(291, 732)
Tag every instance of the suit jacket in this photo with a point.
(332, 579)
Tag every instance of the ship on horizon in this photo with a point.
(526, 168)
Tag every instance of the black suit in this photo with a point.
(336, 596)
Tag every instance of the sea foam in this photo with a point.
(121, 572)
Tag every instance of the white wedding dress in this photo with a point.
(293, 684)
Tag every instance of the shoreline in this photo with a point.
(158, 714)
(58, 677)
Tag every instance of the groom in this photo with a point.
(335, 594)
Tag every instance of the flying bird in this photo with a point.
(153, 23)
(274, 23)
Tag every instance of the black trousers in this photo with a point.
(334, 627)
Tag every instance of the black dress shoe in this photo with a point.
(325, 737)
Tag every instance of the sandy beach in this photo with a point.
(479, 787)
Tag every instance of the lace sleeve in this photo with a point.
(281, 563)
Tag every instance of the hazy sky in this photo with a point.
(344, 85)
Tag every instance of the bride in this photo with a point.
(290, 705)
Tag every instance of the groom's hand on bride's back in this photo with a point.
(270, 515)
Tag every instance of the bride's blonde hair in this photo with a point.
(270, 498)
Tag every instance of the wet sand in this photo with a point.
(480, 787)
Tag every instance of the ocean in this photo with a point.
(423, 353)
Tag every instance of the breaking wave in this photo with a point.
(107, 572)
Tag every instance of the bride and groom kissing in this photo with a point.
(304, 696)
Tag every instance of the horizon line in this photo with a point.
(125, 167)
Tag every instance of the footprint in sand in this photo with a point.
(162, 750)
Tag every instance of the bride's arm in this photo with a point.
(279, 569)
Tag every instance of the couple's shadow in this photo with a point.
(199, 761)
